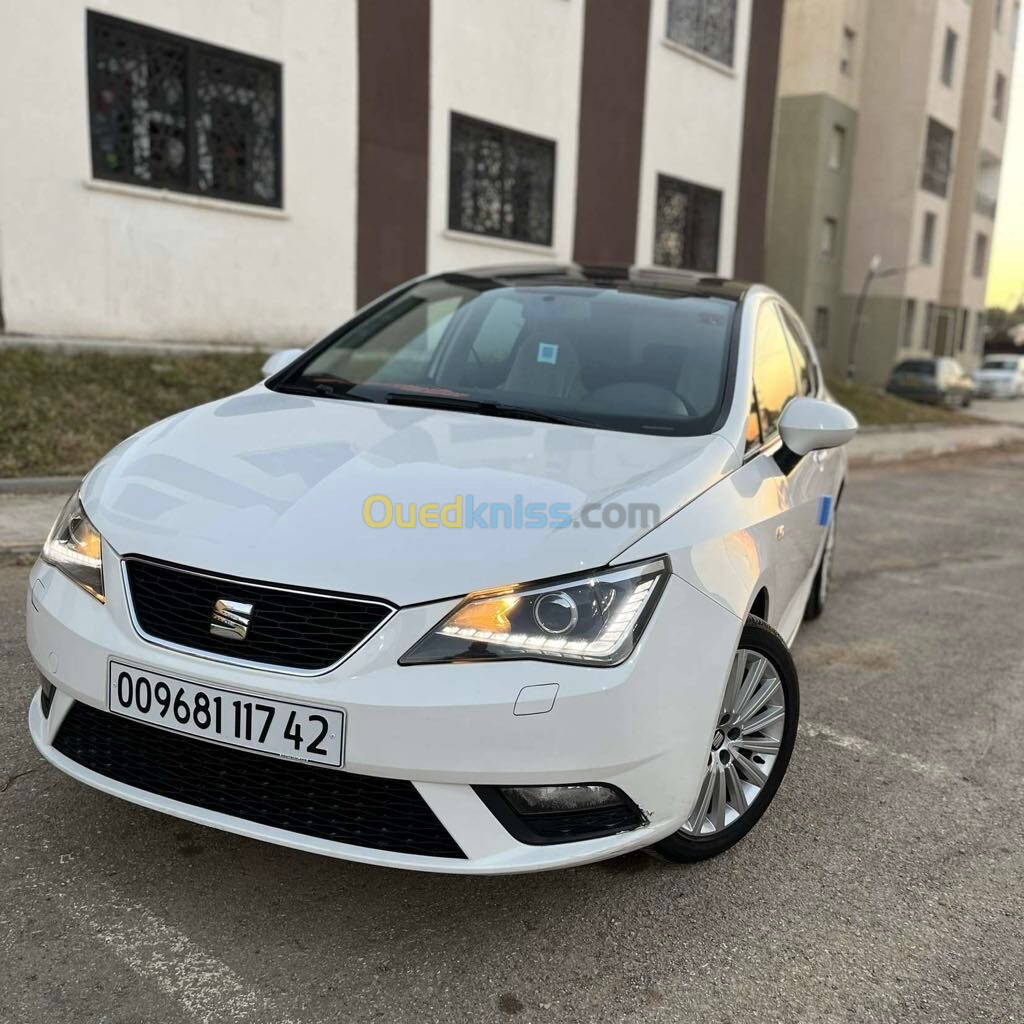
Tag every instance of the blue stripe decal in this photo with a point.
(824, 510)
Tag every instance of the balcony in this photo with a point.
(985, 205)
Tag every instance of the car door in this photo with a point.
(775, 384)
(815, 479)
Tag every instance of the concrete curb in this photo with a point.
(881, 448)
(128, 346)
(39, 484)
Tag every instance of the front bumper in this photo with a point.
(996, 389)
(644, 726)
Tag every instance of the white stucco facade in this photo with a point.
(515, 65)
(85, 258)
(693, 127)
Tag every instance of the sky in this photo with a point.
(1006, 274)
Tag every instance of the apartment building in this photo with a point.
(255, 171)
(891, 121)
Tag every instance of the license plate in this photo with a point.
(296, 731)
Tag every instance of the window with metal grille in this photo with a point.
(949, 57)
(847, 43)
(928, 238)
(687, 225)
(170, 112)
(909, 316)
(938, 158)
(980, 263)
(501, 182)
(707, 26)
(999, 97)
(822, 316)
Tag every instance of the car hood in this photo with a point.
(990, 373)
(270, 486)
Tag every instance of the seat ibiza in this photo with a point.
(500, 576)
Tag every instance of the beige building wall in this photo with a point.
(885, 62)
(813, 47)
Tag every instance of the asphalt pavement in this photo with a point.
(1000, 410)
(886, 882)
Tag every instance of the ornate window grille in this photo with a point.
(938, 158)
(687, 225)
(707, 26)
(170, 112)
(501, 182)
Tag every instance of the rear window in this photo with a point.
(923, 366)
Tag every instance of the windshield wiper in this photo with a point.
(481, 407)
(325, 386)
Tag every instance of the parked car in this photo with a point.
(292, 614)
(1000, 377)
(939, 380)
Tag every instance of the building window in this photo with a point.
(938, 158)
(707, 26)
(837, 147)
(929, 325)
(501, 182)
(847, 44)
(928, 238)
(949, 57)
(829, 231)
(979, 332)
(999, 97)
(999, 15)
(686, 225)
(980, 254)
(174, 113)
(909, 316)
(821, 319)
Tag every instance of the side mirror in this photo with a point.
(277, 361)
(808, 425)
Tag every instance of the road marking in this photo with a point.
(926, 769)
(207, 990)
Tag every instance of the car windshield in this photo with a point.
(614, 356)
(999, 364)
(922, 366)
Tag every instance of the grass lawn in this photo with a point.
(59, 413)
(874, 407)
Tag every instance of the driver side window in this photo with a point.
(775, 379)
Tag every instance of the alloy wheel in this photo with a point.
(745, 745)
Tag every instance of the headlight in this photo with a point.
(73, 546)
(592, 619)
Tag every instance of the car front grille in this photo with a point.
(339, 806)
(303, 630)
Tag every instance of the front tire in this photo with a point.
(750, 749)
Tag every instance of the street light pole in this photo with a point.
(858, 316)
(874, 272)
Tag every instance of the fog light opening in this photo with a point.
(542, 815)
(560, 799)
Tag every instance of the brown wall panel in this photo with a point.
(394, 109)
(611, 129)
(758, 124)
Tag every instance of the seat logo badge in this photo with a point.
(231, 619)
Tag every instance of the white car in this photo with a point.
(1000, 377)
(500, 576)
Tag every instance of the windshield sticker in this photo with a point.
(547, 353)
